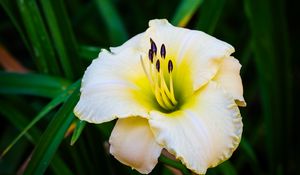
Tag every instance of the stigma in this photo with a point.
(159, 71)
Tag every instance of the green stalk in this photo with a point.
(42, 49)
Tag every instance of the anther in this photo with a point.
(162, 87)
(157, 65)
(153, 46)
(163, 51)
(170, 66)
(150, 55)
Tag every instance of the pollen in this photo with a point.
(159, 71)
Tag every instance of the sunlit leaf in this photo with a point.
(185, 11)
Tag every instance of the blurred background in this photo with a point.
(45, 46)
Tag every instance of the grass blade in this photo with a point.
(12, 11)
(41, 45)
(59, 166)
(248, 150)
(185, 11)
(227, 168)
(210, 14)
(31, 84)
(19, 121)
(50, 106)
(117, 32)
(270, 47)
(78, 130)
(89, 52)
(52, 137)
(63, 37)
(10, 163)
(17, 118)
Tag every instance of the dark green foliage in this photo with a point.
(58, 39)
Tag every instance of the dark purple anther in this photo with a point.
(163, 51)
(170, 66)
(150, 55)
(153, 46)
(157, 65)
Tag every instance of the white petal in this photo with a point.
(114, 85)
(133, 144)
(204, 132)
(133, 42)
(229, 78)
(196, 50)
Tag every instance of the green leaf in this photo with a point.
(59, 166)
(106, 128)
(63, 37)
(227, 168)
(246, 56)
(113, 21)
(41, 45)
(10, 163)
(89, 52)
(78, 130)
(50, 106)
(269, 48)
(185, 11)
(17, 118)
(19, 121)
(174, 164)
(247, 148)
(209, 15)
(31, 84)
(12, 11)
(52, 137)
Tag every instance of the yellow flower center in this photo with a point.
(158, 69)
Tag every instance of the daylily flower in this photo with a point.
(170, 88)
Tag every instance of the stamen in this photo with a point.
(170, 66)
(163, 51)
(168, 91)
(159, 98)
(157, 65)
(153, 46)
(168, 98)
(150, 55)
(145, 70)
(156, 73)
(172, 90)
